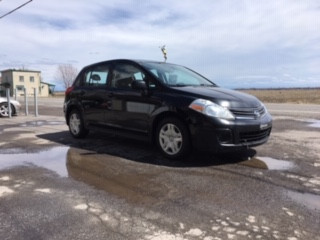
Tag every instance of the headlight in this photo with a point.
(265, 108)
(211, 109)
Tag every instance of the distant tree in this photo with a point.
(66, 73)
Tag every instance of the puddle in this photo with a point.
(53, 159)
(106, 172)
(268, 163)
(11, 151)
(41, 123)
(314, 123)
(311, 201)
(101, 171)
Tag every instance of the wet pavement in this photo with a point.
(268, 163)
(107, 187)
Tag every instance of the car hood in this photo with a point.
(222, 96)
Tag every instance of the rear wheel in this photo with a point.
(173, 138)
(76, 125)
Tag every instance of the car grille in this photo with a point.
(246, 137)
(248, 113)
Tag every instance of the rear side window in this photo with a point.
(97, 76)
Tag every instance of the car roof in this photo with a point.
(138, 61)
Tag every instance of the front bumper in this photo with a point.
(17, 108)
(210, 134)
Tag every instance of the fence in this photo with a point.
(26, 99)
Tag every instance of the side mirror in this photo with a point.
(138, 85)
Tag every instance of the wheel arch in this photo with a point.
(167, 114)
(70, 109)
(13, 109)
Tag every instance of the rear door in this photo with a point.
(94, 93)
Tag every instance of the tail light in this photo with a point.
(69, 89)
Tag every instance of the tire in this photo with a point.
(76, 125)
(173, 138)
(4, 111)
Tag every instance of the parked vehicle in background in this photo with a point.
(171, 105)
(4, 110)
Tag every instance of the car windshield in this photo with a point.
(176, 76)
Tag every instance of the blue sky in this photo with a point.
(235, 43)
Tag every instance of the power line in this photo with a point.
(15, 9)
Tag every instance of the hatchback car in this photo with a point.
(170, 105)
(4, 110)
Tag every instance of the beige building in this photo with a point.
(26, 79)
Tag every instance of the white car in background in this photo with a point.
(4, 110)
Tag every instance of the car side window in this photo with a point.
(124, 74)
(97, 76)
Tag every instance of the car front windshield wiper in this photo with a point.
(207, 85)
(180, 85)
(191, 85)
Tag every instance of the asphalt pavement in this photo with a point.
(106, 187)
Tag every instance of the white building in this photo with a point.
(26, 79)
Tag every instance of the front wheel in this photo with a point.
(4, 110)
(173, 138)
(76, 125)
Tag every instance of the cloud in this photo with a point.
(223, 39)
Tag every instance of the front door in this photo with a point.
(131, 108)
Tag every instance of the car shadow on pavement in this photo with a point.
(144, 152)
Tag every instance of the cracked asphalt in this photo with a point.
(107, 187)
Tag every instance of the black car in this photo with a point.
(170, 105)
